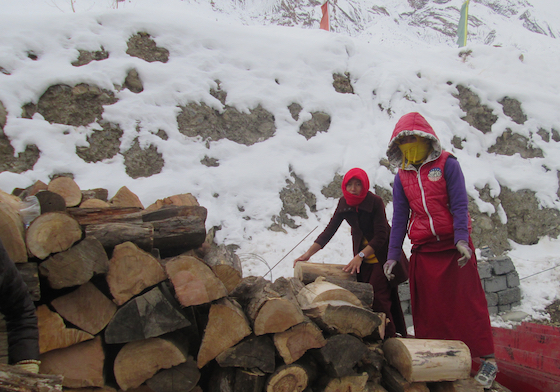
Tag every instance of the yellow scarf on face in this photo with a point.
(372, 259)
(415, 152)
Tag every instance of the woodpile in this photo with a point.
(141, 299)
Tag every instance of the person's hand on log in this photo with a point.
(354, 265)
(310, 252)
(463, 248)
(388, 268)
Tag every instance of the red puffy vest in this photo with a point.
(426, 192)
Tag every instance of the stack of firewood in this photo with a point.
(141, 299)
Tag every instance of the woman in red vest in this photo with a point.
(430, 203)
(365, 213)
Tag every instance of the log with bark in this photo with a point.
(343, 317)
(76, 265)
(12, 232)
(393, 381)
(419, 360)
(100, 215)
(30, 274)
(50, 202)
(353, 383)
(112, 234)
(179, 378)
(294, 377)
(320, 291)
(268, 310)
(15, 379)
(296, 341)
(341, 355)
(52, 232)
(226, 265)
(309, 272)
(125, 198)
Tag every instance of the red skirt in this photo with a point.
(448, 302)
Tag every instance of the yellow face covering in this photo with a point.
(415, 152)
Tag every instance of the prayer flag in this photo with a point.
(462, 27)
(325, 19)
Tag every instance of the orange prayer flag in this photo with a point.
(325, 19)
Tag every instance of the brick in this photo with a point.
(509, 296)
(493, 310)
(504, 308)
(513, 279)
(484, 269)
(492, 299)
(502, 265)
(495, 284)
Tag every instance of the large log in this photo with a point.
(420, 360)
(176, 235)
(86, 307)
(53, 333)
(268, 311)
(343, 317)
(293, 377)
(15, 379)
(321, 290)
(76, 265)
(180, 378)
(52, 232)
(173, 211)
(93, 216)
(294, 343)
(309, 272)
(67, 188)
(81, 365)
(254, 352)
(363, 291)
(30, 274)
(138, 361)
(113, 234)
(12, 232)
(193, 280)
(220, 335)
(248, 381)
(226, 265)
(146, 316)
(354, 383)
(131, 270)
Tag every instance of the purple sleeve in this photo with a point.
(458, 200)
(401, 212)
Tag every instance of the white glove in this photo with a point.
(29, 365)
(388, 267)
(464, 249)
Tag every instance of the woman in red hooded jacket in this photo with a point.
(430, 203)
(365, 213)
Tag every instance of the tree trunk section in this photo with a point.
(248, 381)
(293, 377)
(308, 272)
(420, 360)
(321, 290)
(194, 281)
(172, 211)
(53, 333)
(341, 355)
(355, 383)
(68, 189)
(226, 265)
(52, 232)
(294, 343)
(30, 274)
(364, 291)
(176, 235)
(113, 234)
(97, 216)
(254, 352)
(343, 317)
(146, 316)
(76, 265)
(14, 379)
(81, 365)
(96, 193)
(180, 378)
(185, 199)
(138, 361)
(94, 203)
(12, 233)
(131, 270)
(32, 190)
(220, 335)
